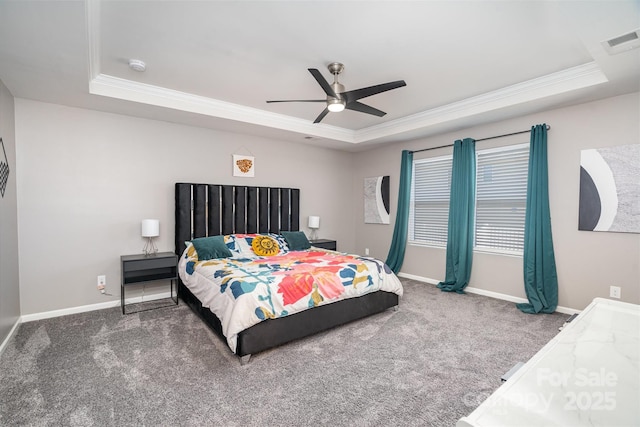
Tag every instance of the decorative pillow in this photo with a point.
(190, 251)
(265, 246)
(284, 247)
(296, 240)
(240, 245)
(211, 248)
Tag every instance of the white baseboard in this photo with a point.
(91, 307)
(79, 309)
(133, 300)
(419, 278)
(11, 333)
(491, 294)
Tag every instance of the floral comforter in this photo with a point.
(244, 291)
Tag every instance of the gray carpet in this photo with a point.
(428, 364)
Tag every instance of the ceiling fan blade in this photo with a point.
(299, 100)
(363, 108)
(322, 82)
(354, 95)
(321, 116)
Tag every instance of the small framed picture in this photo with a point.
(243, 166)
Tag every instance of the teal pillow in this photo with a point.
(211, 248)
(296, 240)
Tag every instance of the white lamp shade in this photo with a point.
(335, 108)
(150, 228)
(314, 222)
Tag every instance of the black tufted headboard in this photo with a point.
(209, 210)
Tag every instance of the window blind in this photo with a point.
(429, 211)
(501, 196)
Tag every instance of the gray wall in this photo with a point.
(9, 284)
(86, 179)
(587, 262)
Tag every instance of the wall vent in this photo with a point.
(622, 43)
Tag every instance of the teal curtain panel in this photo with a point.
(540, 277)
(399, 241)
(461, 217)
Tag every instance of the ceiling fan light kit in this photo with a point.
(335, 105)
(338, 99)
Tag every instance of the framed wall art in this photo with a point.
(610, 189)
(376, 200)
(243, 166)
(4, 170)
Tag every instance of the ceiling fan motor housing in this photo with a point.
(337, 104)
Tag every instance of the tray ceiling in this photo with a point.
(215, 63)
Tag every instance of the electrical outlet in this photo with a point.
(614, 292)
(102, 283)
(366, 251)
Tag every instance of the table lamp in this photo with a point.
(314, 224)
(150, 229)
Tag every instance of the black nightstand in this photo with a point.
(142, 268)
(324, 244)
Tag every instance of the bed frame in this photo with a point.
(208, 210)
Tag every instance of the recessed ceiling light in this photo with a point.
(137, 65)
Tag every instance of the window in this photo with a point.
(501, 194)
(501, 198)
(429, 211)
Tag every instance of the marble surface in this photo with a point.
(588, 375)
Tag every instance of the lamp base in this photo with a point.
(150, 248)
(313, 235)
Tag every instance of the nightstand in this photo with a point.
(142, 268)
(324, 244)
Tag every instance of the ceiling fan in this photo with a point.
(337, 99)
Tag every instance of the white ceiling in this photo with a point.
(215, 63)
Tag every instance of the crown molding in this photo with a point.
(578, 77)
(560, 82)
(92, 13)
(115, 87)
(129, 90)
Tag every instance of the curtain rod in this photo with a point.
(481, 139)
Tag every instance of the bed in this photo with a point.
(240, 213)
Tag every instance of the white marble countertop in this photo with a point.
(588, 375)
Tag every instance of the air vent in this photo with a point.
(623, 39)
(622, 43)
